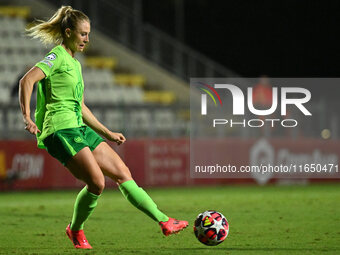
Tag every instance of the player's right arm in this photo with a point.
(26, 84)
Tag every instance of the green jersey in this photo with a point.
(59, 94)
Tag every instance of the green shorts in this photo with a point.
(65, 143)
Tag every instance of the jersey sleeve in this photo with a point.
(50, 63)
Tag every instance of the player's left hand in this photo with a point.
(118, 138)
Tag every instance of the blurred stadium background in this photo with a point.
(137, 81)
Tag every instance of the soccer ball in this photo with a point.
(211, 228)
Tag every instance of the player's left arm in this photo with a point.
(90, 120)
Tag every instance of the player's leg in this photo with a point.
(78, 158)
(84, 167)
(113, 166)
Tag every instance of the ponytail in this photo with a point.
(52, 31)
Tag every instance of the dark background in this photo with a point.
(292, 38)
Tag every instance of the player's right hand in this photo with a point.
(31, 126)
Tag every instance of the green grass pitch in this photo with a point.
(263, 220)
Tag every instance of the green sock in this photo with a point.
(83, 208)
(140, 199)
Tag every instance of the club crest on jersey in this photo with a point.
(52, 56)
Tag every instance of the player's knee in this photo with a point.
(124, 174)
(97, 186)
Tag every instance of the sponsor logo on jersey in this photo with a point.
(52, 56)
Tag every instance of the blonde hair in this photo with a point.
(53, 30)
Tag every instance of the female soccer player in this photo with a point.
(67, 129)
